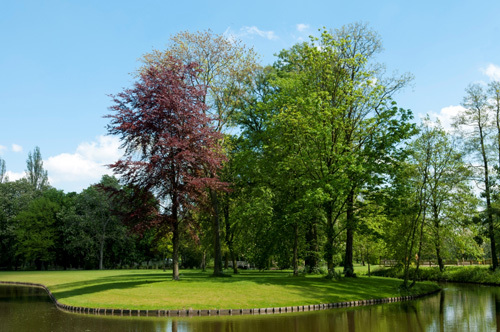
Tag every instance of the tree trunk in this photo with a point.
(329, 240)
(348, 263)
(491, 232)
(216, 230)
(235, 263)
(204, 261)
(175, 244)
(175, 240)
(438, 246)
(311, 260)
(230, 235)
(296, 251)
(101, 253)
(419, 254)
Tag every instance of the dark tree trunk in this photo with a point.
(216, 230)
(329, 240)
(296, 250)
(230, 235)
(175, 258)
(438, 246)
(491, 231)
(235, 263)
(348, 263)
(419, 252)
(175, 240)
(311, 260)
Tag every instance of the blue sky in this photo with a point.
(60, 60)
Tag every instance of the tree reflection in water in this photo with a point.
(456, 308)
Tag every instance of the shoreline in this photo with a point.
(213, 312)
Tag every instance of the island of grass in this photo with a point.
(154, 289)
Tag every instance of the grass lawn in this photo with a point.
(154, 289)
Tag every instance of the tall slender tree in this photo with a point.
(2, 170)
(35, 172)
(494, 99)
(475, 124)
(170, 143)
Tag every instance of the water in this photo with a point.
(456, 308)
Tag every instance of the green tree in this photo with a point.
(444, 179)
(99, 213)
(37, 233)
(338, 121)
(35, 173)
(474, 123)
(494, 103)
(14, 197)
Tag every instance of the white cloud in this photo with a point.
(493, 72)
(2, 149)
(446, 115)
(13, 176)
(76, 171)
(249, 32)
(17, 148)
(301, 27)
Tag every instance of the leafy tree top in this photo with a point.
(170, 145)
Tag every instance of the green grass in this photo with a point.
(154, 289)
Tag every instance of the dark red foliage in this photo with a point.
(170, 145)
(138, 209)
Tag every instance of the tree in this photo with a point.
(475, 124)
(35, 173)
(15, 197)
(2, 171)
(494, 95)
(99, 213)
(339, 122)
(450, 197)
(170, 144)
(226, 65)
(37, 229)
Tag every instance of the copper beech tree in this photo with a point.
(169, 141)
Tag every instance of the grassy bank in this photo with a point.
(472, 274)
(154, 289)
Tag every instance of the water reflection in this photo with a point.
(456, 308)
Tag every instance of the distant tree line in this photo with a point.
(307, 164)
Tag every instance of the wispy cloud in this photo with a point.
(301, 27)
(17, 148)
(2, 149)
(247, 31)
(493, 72)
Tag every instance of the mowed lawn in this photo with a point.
(154, 289)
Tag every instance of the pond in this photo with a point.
(458, 307)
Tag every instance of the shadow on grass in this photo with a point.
(320, 289)
(96, 288)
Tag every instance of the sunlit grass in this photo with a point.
(154, 289)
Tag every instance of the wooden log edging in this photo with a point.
(214, 312)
